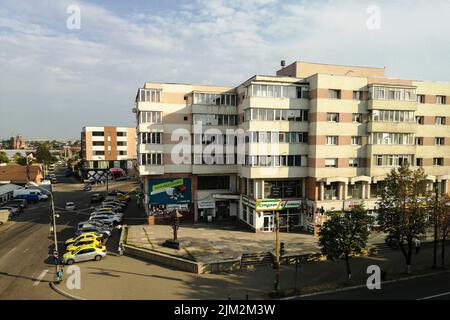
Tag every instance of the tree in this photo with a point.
(19, 159)
(441, 217)
(344, 234)
(43, 154)
(3, 157)
(403, 208)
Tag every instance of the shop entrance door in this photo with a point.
(268, 224)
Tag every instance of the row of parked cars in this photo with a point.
(91, 235)
(14, 207)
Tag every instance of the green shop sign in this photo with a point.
(277, 204)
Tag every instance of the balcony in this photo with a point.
(214, 168)
(397, 127)
(373, 104)
(272, 172)
(151, 170)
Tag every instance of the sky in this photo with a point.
(55, 79)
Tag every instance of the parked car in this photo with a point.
(84, 253)
(82, 242)
(13, 211)
(97, 197)
(112, 207)
(104, 231)
(70, 206)
(87, 187)
(92, 224)
(21, 202)
(15, 205)
(118, 215)
(113, 220)
(85, 235)
(114, 202)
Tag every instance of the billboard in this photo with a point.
(170, 190)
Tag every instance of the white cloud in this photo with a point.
(91, 75)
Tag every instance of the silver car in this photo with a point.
(84, 253)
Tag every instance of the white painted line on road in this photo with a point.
(435, 296)
(10, 251)
(41, 276)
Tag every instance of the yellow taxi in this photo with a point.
(84, 253)
(83, 242)
(84, 236)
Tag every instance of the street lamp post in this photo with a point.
(436, 190)
(277, 252)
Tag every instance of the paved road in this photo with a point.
(435, 287)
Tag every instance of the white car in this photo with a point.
(106, 218)
(109, 213)
(70, 206)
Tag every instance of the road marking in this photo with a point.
(435, 296)
(41, 276)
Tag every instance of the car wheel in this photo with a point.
(98, 258)
(70, 261)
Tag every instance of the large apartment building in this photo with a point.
(314, 138)
(107, 148)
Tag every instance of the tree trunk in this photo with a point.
(409, 257)
(349, 272)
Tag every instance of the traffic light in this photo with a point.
(282, 248)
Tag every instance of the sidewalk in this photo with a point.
(212, 242)
(126, 278)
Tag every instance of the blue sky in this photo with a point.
(54, 80)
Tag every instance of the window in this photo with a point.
(98, 133)
(440, 99)
(331, 163)
(121, 143)
(419, 162)
(151, 117)
(419, 119)
(421, 98)
(151, 137)
(332, 140)
(392, 116)
(283, 189)
(439, 141)
(121, 153)
(213, 182)
(334, 94)
(357, 95)
(149, 95)
(353, 162)
(151, 159)
(357, 117)
(98, 143)
(419, 141)
(98, 153)
(392, 160)
(356, 140)
(440, 120)
(121, 133)
(381, 93)
(333, 117)
(438, 161)
(331, 191)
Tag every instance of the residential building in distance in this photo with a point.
(104, 148)
(18, 174)
(313, 139)
(17, 142)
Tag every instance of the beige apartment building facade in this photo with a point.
(314, 138)
(107, 147)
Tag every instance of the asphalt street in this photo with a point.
(434, 287)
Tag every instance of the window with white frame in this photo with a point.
(150, 95)
(332, 117)
(357, 95)
(439, 141)
(353, 162)
(356, 140)
(440, 99)
(334, 94)
(151, 137)
(440, 120)
(150, 117)
(438, 161)
(221, 99)
(357, 117)
(392, 160)
(332, 140)
(151, 159)
(331, 162)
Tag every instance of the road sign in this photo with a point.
(55, 254)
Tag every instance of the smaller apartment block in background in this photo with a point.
(104, 148)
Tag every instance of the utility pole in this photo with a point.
(436, 190)
(54, 232)
(277, 252)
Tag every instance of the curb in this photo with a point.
(364, 286)
(67, 295)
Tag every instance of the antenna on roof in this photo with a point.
(283, 63)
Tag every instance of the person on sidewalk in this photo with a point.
(417, 244)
